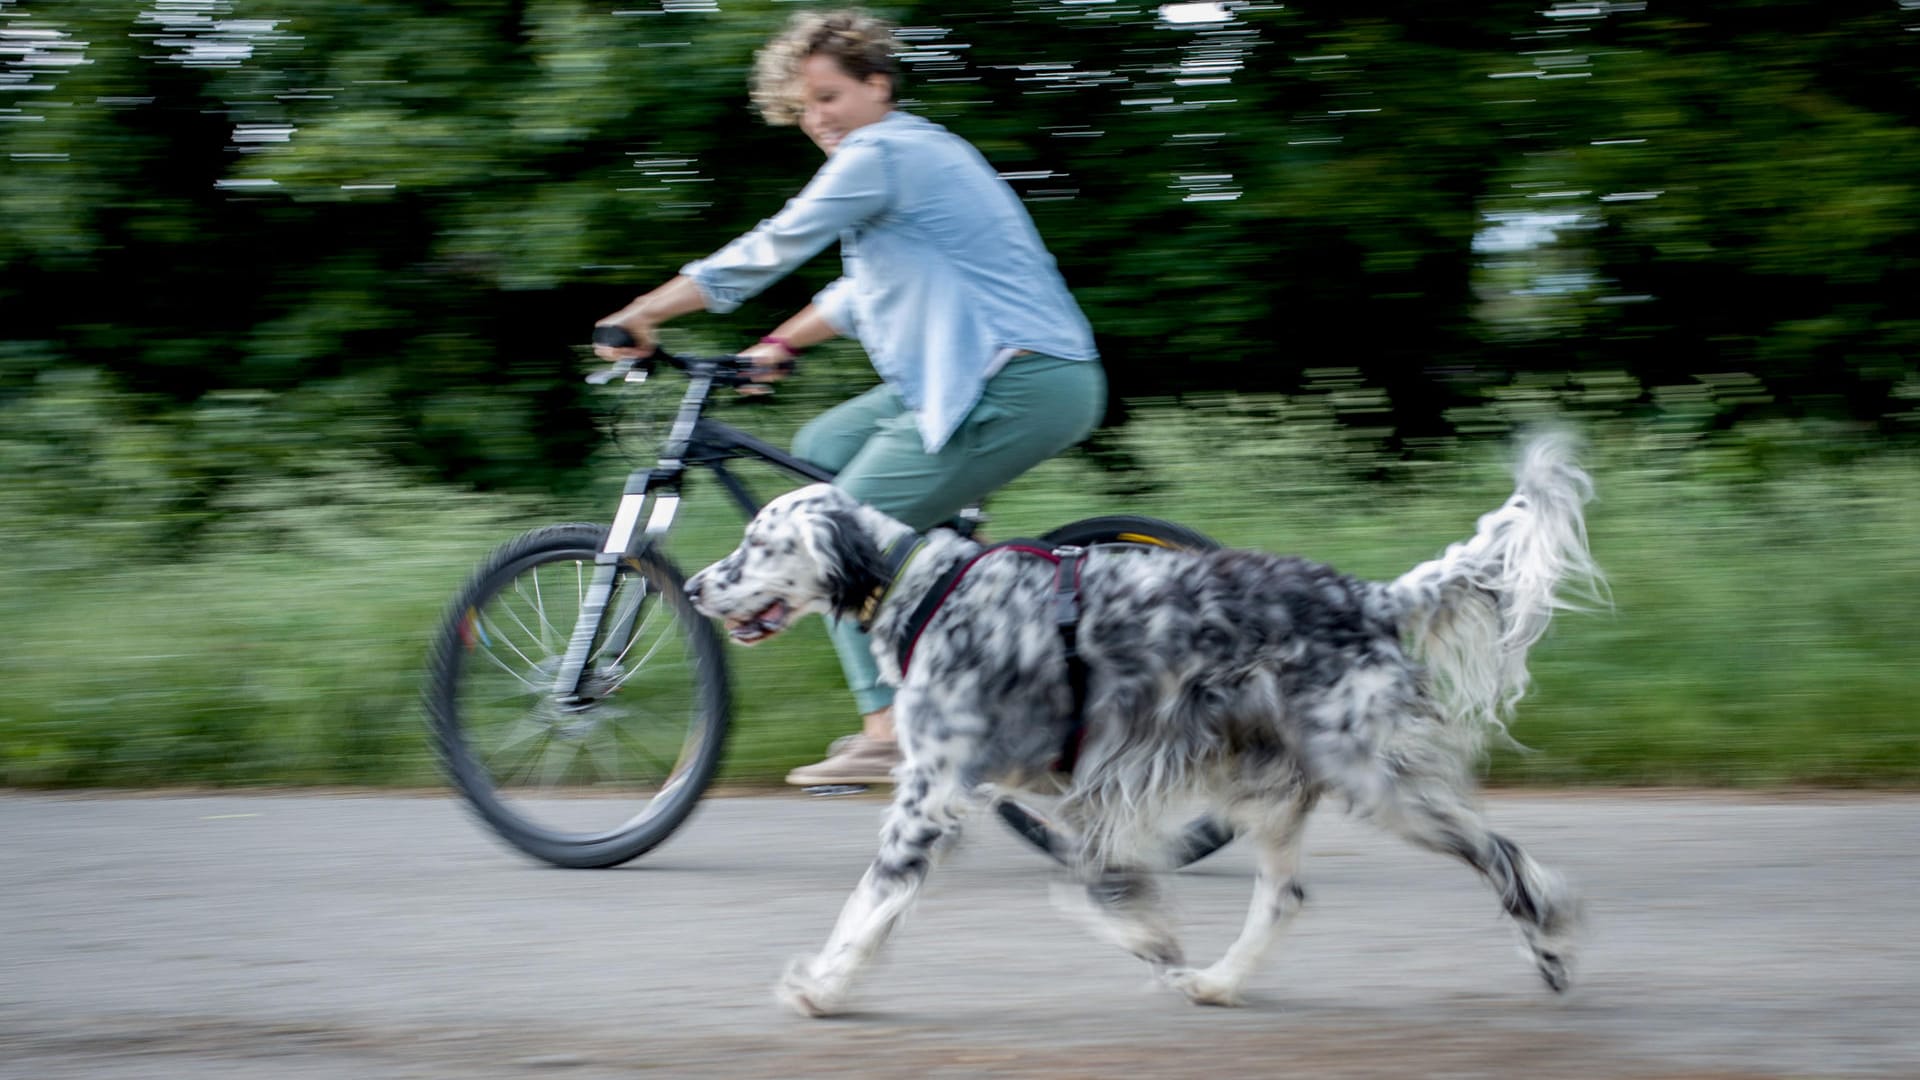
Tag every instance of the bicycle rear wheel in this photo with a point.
(602, 777)
(1119, 532)
(1130, 531)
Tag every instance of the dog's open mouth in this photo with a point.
(767, 623)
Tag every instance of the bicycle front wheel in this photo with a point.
(600, 776)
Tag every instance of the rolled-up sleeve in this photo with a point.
(852, 187)
(835, 304)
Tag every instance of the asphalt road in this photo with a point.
(304, 936)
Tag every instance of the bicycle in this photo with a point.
(571, 671)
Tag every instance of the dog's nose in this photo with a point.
(693, 589)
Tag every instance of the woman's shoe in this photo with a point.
(852, 759)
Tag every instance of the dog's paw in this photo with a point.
(1555, 968)
(800, 991)
(1552, 957)
(1200, 987)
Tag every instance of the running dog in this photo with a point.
(1253, 684)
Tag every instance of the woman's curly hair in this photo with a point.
(860, 43)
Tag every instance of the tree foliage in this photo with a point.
(411, 210)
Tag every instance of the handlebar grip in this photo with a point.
(614, 337)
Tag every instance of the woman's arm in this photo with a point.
(806, 327)
(851, 188)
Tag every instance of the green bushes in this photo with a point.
(182, 610)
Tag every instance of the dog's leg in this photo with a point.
(1119, 902)
(927, 807)
(1277, 898)
(1435, 816)
(1125, 906)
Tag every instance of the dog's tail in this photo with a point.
(1473, 613)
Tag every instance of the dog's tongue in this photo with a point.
(766, 622)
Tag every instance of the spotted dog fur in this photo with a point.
(1253, 683)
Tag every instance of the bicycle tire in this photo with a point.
(1132, 529)
(649, 726)
(1203, 836)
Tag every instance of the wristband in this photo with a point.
(782, 342)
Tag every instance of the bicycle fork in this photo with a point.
(622, 543)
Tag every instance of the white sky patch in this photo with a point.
(1508, 233)
(1202, 12)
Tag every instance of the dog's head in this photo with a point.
(814, 549)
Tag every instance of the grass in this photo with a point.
(1764, 631)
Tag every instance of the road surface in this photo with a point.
(296, 936)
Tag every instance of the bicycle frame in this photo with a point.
(653, 494)
(693, 441)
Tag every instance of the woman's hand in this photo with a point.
(773, 357)
(772, 362)
(644, 316)
(635, 322)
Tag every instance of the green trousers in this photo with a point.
(1035, 407)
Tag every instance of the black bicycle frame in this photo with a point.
(714, 444)
(693, 441)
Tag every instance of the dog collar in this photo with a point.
(895, 560)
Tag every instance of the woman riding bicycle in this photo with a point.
(988, 366)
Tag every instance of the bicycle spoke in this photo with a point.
(508, 642)
(531, 686)
(642, 663)
(517, 621)
(639, 632)
(548, 633)
(539, 734)
(666, 768)
(608, 758)
(562, 763)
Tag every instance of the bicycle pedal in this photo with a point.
(830, 791)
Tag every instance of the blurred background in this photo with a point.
(294, 297)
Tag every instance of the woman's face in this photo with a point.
(834, 104)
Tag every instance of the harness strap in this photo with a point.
(943, 588)
(1068, 562)
(1066, 617)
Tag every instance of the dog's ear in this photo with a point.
(849, 560)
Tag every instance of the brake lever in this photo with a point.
(618, 369)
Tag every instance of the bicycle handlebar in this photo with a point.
(725, 370)
(613, 336)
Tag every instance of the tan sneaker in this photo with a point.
(852, 759)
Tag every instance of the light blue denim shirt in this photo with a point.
(944, 274)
